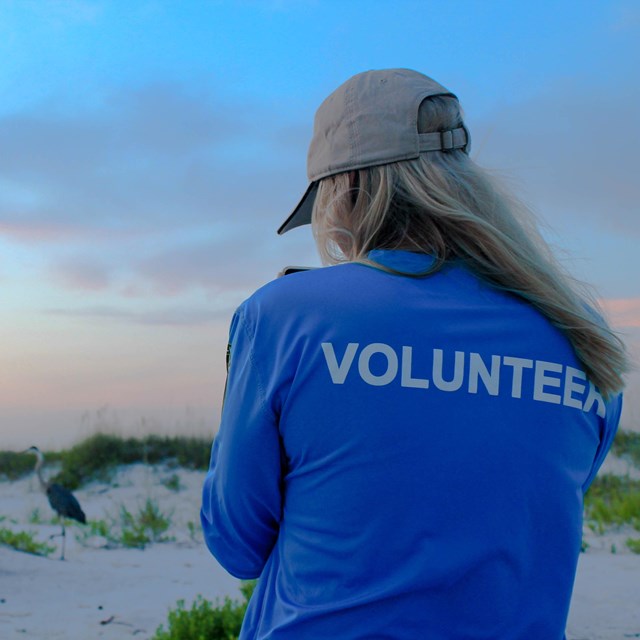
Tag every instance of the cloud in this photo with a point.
(575, 148)
(158, 191)
(624, 312)
(36, 233)
(81, 274)
(157, 157)
(168, 317)
(214, 264)
(229, 259)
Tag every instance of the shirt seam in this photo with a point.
(254, 363)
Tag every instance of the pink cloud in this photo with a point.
(31, 232)
(624, 312)
(81, 275)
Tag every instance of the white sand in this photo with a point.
(101, 592)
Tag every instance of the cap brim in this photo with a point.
(302, 213)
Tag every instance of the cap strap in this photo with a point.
(443, 140)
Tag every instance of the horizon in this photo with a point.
(150, 152)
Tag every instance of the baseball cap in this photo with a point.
(371, 119)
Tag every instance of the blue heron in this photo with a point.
(62, 501)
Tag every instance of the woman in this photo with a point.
(407, 436)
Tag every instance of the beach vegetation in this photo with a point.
(612, 501)
(35, 517)
(97, 528)
(172, 482)
(195, 531)
(148, 525)
(96, 457)
(17, 465)
(626, 444)
(131, 529)
(24, 541)
(220, 620)
(633, 544)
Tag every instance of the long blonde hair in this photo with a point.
(444, 204)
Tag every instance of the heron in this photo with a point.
(62, 501)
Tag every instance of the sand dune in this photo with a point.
(103, 592)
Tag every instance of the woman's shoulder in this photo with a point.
(308, 284)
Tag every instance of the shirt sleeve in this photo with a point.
(242, 501)
(609, 430)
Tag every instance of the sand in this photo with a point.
(105, 592)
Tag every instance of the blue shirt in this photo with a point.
(402, 458)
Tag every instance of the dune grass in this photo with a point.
(627, 445)
(97, 456)
(16, 465)
(148, 525)
(24, 541)
(130, 528)
(612, 501)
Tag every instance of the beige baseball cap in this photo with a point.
(369, 120)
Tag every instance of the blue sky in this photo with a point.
(149, 150)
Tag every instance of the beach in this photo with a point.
(102, 590)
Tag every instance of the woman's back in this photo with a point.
(407, 436)
(434, 440)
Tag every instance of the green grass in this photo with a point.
(96, 457)
(612, 500)
(172, 482)
(24, 541)
(207, 620)
(97, 528)
(627, 444)
(16, 465)
(634, 544)
(132, 529)
(146, 526)
(195, 531)
(35, 517)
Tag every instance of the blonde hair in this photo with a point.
(444, 204)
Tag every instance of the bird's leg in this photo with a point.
(64, 539)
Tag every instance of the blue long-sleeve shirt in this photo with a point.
(402, 458)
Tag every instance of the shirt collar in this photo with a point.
(405, 261)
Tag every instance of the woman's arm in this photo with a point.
(241, 501)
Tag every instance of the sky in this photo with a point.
(150, 150)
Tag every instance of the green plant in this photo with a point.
(627, 443)
(195, 532)
(96, 528)
(148, 525)
(24, 541)
(172, 482)
(15, 465)
(130, 529)
(99, 528)
(35, 517)
(206, 620)
(97, 456)
(633, 544)
(613, 500)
